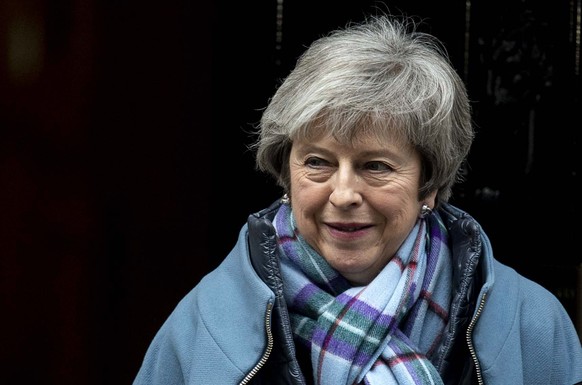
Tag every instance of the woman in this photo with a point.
(363, 273)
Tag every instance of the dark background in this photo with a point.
(124, 173)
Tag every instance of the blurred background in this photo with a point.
(125, 174)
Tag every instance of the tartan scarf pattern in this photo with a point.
(379, 334)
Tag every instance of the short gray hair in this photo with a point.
(382, 76)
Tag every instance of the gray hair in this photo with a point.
(380, 76)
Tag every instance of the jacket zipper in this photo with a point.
(267, 352)
(469, 337)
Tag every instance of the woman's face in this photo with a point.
(355, 204)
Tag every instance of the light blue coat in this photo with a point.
(219, 333)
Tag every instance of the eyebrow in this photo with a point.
(381, 152)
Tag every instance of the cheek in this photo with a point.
(304, 191)
(307, 201)
(306, 197)
(396, 206)
(305, 211)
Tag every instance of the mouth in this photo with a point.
(348, 227)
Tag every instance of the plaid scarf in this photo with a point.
(382, 333)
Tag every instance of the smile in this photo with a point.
(348, 228)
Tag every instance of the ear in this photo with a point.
(427, 205)
(430, 199)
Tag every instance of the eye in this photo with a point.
(377, 166)
(315, 162)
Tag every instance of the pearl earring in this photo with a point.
(425, 211)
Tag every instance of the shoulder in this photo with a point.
(525, 331)
(538, 309)
(523, 334)
(524, 290)
(216, 333)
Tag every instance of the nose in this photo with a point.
(345, 188)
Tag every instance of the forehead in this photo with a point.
(372, 134)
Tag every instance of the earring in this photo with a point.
(285, 199)
(425, 211)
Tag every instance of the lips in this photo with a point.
(349, 228)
